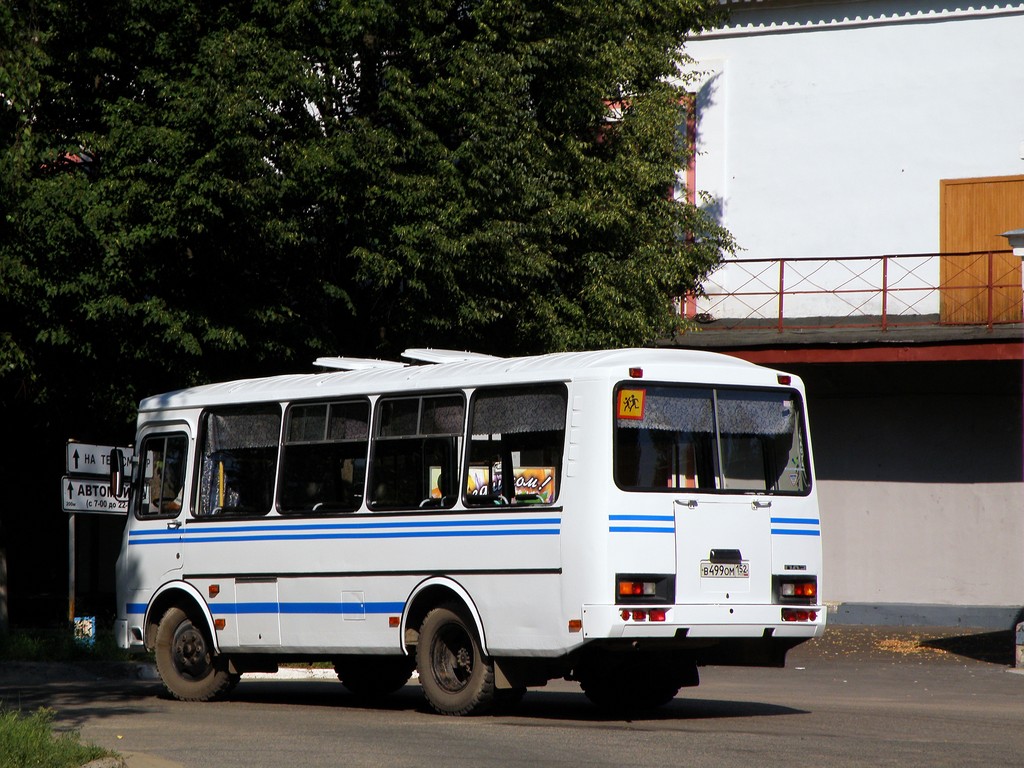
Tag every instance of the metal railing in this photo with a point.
(880, 292)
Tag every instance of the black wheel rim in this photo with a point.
(189, 652)
(452, 658)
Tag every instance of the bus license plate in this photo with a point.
(709, 570)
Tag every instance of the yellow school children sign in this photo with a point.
(631, 404)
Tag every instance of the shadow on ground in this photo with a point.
(991, 647)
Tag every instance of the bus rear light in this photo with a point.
(636, 373)
(639, 614)
(785, 380)
(801, 590)
(797, 614)
(631, 588)
(637, 588)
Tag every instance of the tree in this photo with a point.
(267, 181)
(193, 193)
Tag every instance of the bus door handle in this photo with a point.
(761, 503)
(174, 524)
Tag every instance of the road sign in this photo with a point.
(81, 494)
(86, 459)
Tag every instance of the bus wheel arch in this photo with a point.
(180, 595)
(430, 594)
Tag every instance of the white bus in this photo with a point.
(618, 518)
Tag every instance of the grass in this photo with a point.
(29, 740)
(53, 645)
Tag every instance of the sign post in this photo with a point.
(83, 490)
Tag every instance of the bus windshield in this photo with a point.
(669, 437)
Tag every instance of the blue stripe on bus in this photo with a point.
(797, 520)
(811, 526)
(388, 535)
(323, 608)
(370, 530)
(326, 608)
(670, 520)
(194, 527)
(661, 518)
(241, 537)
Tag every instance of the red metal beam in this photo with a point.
(893, 353)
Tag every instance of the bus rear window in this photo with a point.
(669, 437)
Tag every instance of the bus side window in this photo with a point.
(239, 466)
(517, 435)
(323, 461)
(415, 450)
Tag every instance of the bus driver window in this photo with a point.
(163, 474)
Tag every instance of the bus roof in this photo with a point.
(448, 368)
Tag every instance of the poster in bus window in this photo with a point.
(535, 485)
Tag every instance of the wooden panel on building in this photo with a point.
(984, 285)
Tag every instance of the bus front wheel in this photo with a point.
(457, 678)
(188, 667)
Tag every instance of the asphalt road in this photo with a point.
(856, 698)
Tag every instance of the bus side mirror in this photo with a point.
(117, 473)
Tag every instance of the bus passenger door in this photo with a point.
(723, 550)
(154, 546)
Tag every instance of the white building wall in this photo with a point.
(921, 493)
(824, 129)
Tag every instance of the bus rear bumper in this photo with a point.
(703, 621)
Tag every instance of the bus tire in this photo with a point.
(456, 677)
(370, 677)
(188, 666)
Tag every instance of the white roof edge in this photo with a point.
(355, 363)
(365, 376)
(428, 355)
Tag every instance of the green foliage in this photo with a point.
(29, 740)
(193, 193)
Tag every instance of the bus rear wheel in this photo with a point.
(457, 678)
(188, 666)
(370, 677)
